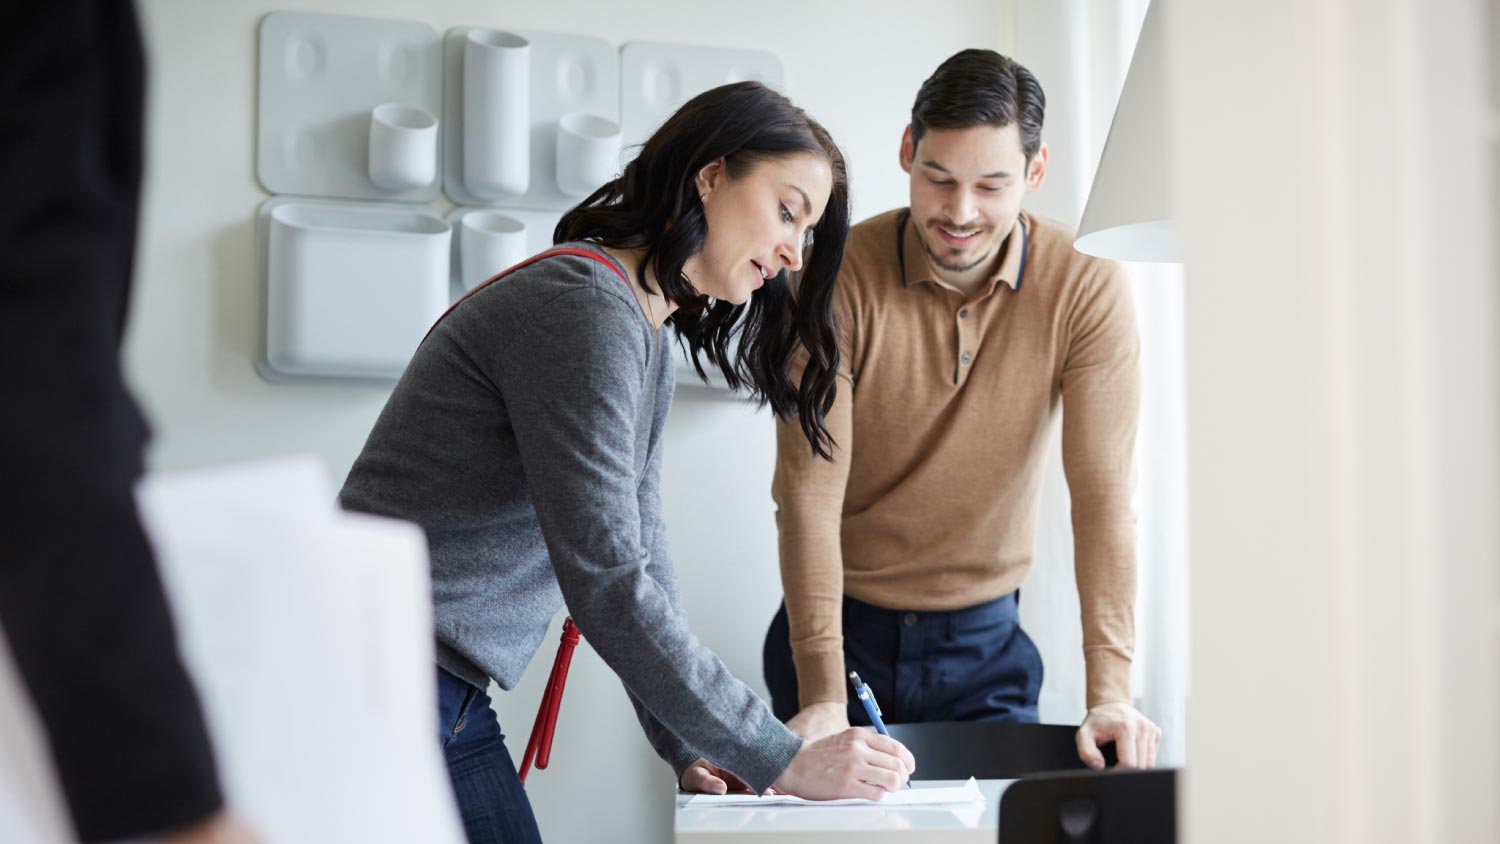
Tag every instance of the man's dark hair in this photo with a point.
(981, 88)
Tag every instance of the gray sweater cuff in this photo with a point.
(770, 755)
(680, 758)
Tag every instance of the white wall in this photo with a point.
(855, 66)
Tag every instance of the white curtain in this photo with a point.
(1080, 51)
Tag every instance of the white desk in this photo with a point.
(874, 824)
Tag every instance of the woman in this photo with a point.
(525, 437)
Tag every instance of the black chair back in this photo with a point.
(948, 750)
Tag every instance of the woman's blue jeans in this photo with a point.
(491, 799)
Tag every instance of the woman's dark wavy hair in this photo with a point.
(654, 206)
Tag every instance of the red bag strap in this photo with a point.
(540, 745)
(577, 253)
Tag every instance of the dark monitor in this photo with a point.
(1102, 807)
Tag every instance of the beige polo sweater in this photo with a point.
(944, 410)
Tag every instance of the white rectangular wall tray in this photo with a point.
(348, 290)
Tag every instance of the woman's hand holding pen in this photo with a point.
(852, 763)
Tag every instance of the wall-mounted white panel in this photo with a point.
(687, 377)
(568, 73)
(657, 78)
(320, 78)
(349, 289)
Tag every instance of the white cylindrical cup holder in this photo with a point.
(403, 147)
(588, 152)
(489, 242)
(497, 114)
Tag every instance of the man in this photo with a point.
(80, 599)
(967, 325)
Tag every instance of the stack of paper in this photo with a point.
(915, 796)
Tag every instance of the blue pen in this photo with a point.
(872, 708)
(867, 698)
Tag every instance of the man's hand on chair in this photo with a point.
(1135, 737)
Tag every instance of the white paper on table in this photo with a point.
(917, 795)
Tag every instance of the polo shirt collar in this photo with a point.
(918, 269)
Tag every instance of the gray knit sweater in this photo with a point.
(525, 438)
